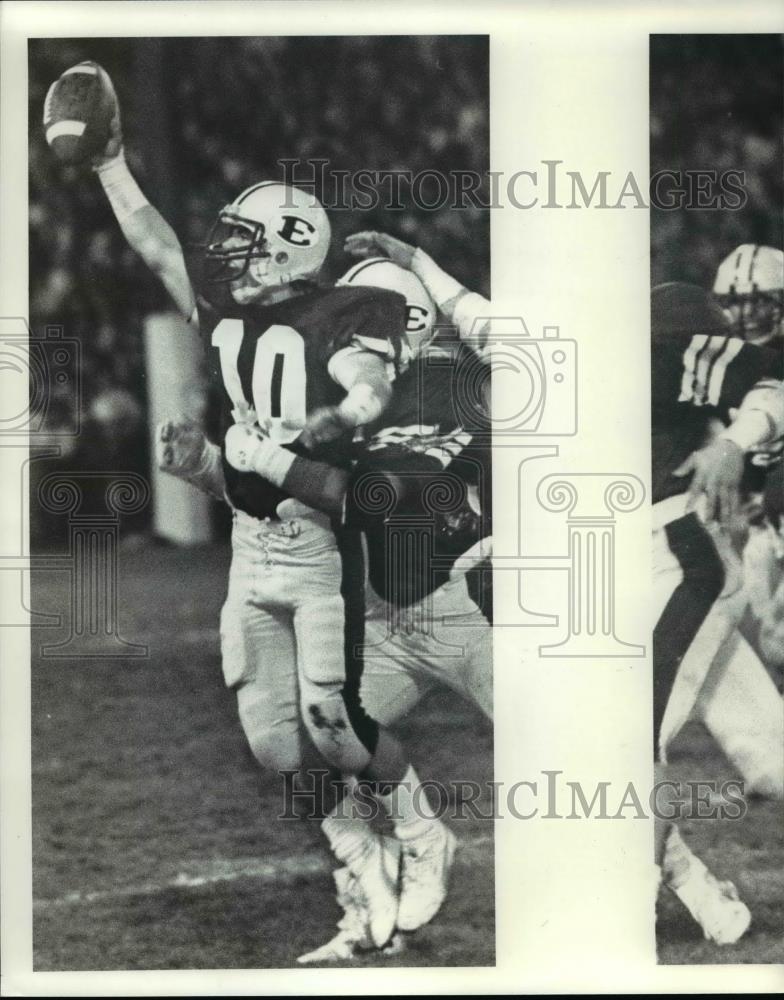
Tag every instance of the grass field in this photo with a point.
(154, 833)
(155, 842)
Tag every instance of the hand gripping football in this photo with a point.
(78, 113)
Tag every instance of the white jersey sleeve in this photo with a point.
(469, 311)
(471, 316)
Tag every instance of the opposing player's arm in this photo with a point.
(718, 467)
(363, 375)
(759, 419)
(469, 311)
(348, 497)
(145, 229)
(367, 350)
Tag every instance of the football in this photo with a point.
(78, 112)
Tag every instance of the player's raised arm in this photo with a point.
(147, 232)
(469, 311)
(82, 125)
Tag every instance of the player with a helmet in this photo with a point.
(701, 373)
(740, 704)
(420, 485)
(305, 367)
(749, 285)
(468, 311)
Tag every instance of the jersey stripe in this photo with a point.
(444, 449)
(359, 268)
(705, 361)
(704, 355)
(754, 253)
(689, 360)
(731, 351)
(256, 187)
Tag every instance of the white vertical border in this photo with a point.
(567, 83)
(578, 95)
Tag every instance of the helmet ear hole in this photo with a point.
(281, 257)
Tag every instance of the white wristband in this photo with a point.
(751, 428)
(361, 405)
(271, 461)
(121, 189)
(441, 285)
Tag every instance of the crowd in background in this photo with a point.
(205, 117)
(716, 104)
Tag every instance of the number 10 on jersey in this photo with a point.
(278, 382)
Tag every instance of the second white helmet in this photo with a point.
(379, 272)
(750, 286)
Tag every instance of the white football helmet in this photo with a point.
(379, 272)
(750, 287)
(271, 235)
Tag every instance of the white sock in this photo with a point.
(685, 874)
(349, 836)
(408, 807)
(678, 861)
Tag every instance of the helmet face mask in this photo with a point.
(271, 236)
(749, 286)
(232, 245)
(754, 315)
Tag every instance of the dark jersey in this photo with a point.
(444, 388)
(273, 362)
(421, 489)
(694, 381)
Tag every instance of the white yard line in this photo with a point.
(285, 868)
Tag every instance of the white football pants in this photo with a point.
(283, 640)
